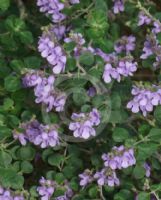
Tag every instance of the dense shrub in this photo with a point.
(80, 99)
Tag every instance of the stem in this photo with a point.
(81, 68)
(22, 9)
(101, 193)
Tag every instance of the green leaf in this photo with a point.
(157, 113)
(139, 172)
(26, 167)
(143, 196)
(146, 150)
(5, 159)
(155, 134)
(12, 83)
(120, 134)
(32, 62)
(8, 104)
(5, 132)
(55, 160)
(4, 4)
(93, 192)
(26, 37)
(26, 153)
(10, 178)
(86, 58)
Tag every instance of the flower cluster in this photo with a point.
(144, 99)
(9, 195)
(119, 158)
(118, 6)
(107, 177)
(52, 51)
(48, 187)
(53, 8)
(152, 47)
(148, 20)
(117, 68)
(144, 19)
(38, 134)
(82, 126)
(44, 90)
(125, 44)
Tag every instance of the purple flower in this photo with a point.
(53, 52)
(107, 177)
(144, 100)
(38, 134)
(144, 19)
(109, 73)
(118, 6)
(48, 137)
(6, 194)
(82, 126)
(53, 8)
(85, 178)
(119, 158)
(46, 189)
(147, 169)
(150, 46)
(157, 27)
(126, 67)
(91, 91)
(44, 91)
(59, 31)
(126, 43)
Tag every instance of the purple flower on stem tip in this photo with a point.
(119, 158)
(38, 134)
(144, 19)
(107, 177)
(46, 189)
(53, 8)
(118, 6)
(85, 178)
(44, 90)
(6, 194)
(91, 91)
(157, 27)
(53, 52)
(147, 169)
(144, 100)
(82, 126)
(126, 43)
(109, 73)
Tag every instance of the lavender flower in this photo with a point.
(91, 91)
(85, 178)
(147, 169)
(144, 19)
(59, 31)
(9, 195)
(126, 43)
(44, 90)
(46, 188)
(144, 100)
(107, 177)
(157, 27)
(53, 52)
(118, 6)
(119, 158)
(82, 126)
(53, 8)
(38, 134)
(150, 46)
(125, 67)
